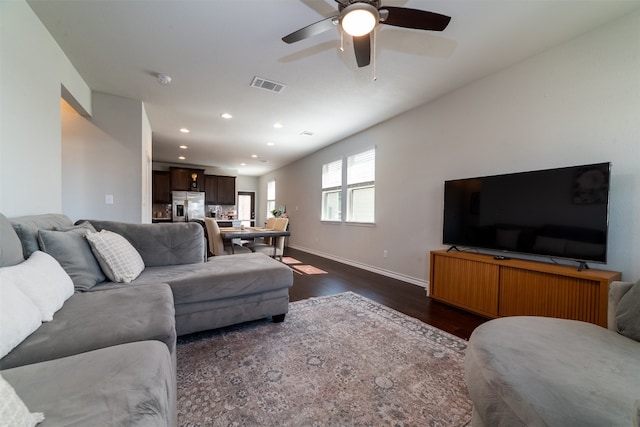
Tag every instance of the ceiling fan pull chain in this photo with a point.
(375, 54)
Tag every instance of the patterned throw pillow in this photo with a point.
(119, 260)
(13, 411)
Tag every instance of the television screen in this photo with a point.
(559, 212)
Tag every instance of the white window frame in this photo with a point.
(332, 179)
(271, 197)
(361, 179)
(356, 184)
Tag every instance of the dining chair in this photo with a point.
(216, 243)
(280, 224)
(263, 240)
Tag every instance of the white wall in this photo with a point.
(575, 104)
(34, 74)
(108, 154)
(248, 183)
(146, 169)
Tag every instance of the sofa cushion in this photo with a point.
(13, 411)
(123, 385)
(10, 245)
(27, 229)
(84, 323)
(161, 244)
(628, 313)
(42, 280)
(74, 254)
(221, 277)
(19, 317)
(118, 258)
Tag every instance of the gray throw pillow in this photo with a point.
(628, 313)
(74, 254)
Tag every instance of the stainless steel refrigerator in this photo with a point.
(187, 205)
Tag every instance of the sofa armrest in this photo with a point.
(161, 244)
(616, 292)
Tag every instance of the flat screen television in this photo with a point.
(557, 213)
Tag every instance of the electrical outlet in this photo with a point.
(385, 253)
(108, 199)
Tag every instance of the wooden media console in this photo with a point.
(513, 287)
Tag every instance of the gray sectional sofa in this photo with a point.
(108, 357)
(538, 371)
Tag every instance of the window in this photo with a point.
(332, 191)
(351, 179)
(271, 197)
(361, 175)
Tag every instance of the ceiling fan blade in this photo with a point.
(311, 30)
(362, 47)
(416, 19)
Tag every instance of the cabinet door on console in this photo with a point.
(535, 293)
(466, 284)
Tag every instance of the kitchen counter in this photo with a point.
(160, 220)
(221, 222)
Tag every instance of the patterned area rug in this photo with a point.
(341, 360)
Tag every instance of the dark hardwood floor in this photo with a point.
(401, 296)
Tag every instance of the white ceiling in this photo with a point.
(212, 50)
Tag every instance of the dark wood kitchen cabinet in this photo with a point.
(226, 190)
(182, 179)
(220, 190)
(211, 189)
(161, 187)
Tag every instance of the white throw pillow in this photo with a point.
(19, 317)
(43, 280)
(13, 411)
(119, 260)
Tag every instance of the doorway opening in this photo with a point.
(247, 208)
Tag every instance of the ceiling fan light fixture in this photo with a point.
(359, 19)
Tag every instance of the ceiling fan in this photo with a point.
(358, 18)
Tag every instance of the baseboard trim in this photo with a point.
(371, 268)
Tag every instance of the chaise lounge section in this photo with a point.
(538, 371)
(223, 291)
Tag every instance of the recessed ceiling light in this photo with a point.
(182, 157)
(184, 147)
(277, 125)
(243, 164)
(271, 144)
(254, 156)
(184, 130)
(226, 115)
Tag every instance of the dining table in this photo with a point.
(243, 233)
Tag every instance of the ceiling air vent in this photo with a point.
(269, 85)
